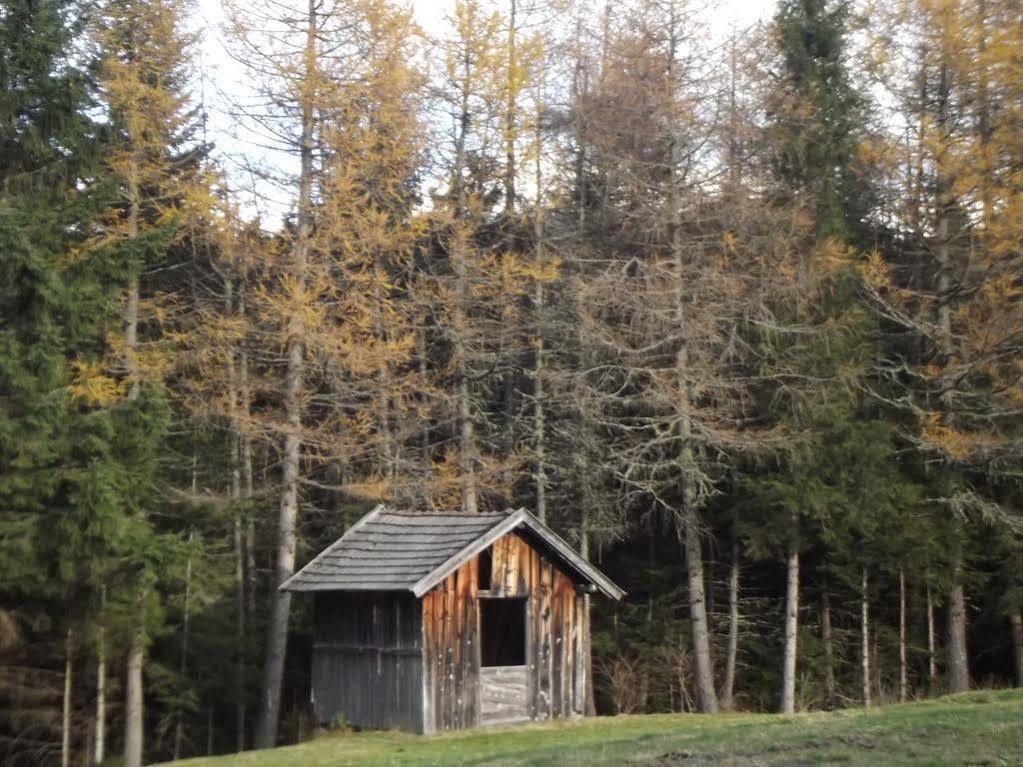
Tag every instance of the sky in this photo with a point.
(224, 80)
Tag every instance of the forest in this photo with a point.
(738, 313)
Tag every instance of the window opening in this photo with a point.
(484, 569)
(503, 632)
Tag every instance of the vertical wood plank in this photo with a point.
(545, 659)
(426, 659)
(511, 571)
(428, 675)
(472, 691)
(525, 555)
(438, 658)
(557, 644)
(457, 646)
(449, 635)
(496, 566)
(579, 662)
(529, 568)
(568, 654)
(538, 634)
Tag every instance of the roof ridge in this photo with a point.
(444, 512)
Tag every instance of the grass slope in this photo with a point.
(984, 728)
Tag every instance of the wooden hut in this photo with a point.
(431, 621)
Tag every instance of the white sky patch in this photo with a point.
(224, 83)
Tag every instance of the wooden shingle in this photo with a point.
(389, 550)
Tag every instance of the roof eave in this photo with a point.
(455, 561)
(604, 584)
(290, 583)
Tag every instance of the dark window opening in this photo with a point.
(503, 632)
(484, 567)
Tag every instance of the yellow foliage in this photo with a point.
(834, 254)
(371, 490)
(876, 271)
(728, 242)
(93, 387)
(958, 445)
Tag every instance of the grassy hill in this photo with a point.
(984, 728)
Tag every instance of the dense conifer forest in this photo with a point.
(739, 314)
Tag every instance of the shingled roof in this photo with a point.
(390, 550)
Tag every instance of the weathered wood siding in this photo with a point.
(367, 660)
(503, 694)
(555, 683)
(451, 658)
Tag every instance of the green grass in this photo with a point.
(984, 728)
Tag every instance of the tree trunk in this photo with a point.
(539, 425)
(425, 448)
(578, 89)
(651, 559)
(984, 132)
(65, 718)
(932, 661)
(468, 447)
(179, 731)
(957, 657)
(706, 694)
(956, 652)
(236, 396)
(1016, 621)
(903, 670)
(875, 664)
(706, 697)
(280, 601)
(511, 84)
(788, 690)
(99, 743)
(133, 711)
(133, 697)
(827, 639)
(865, 637)
(239, 588)
(539, 404)
(728, 689)
(246, 459)
(388, 442)
(466, 428)
(239, 633)
(250, 564)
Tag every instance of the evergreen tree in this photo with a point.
(948, 274)
(152, 165)
(817, 118)
(815, 126)
(676, 295)
(56, 505)
(48, 148)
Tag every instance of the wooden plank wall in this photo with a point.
(450, 652)
(556, 684)
(367, 660)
